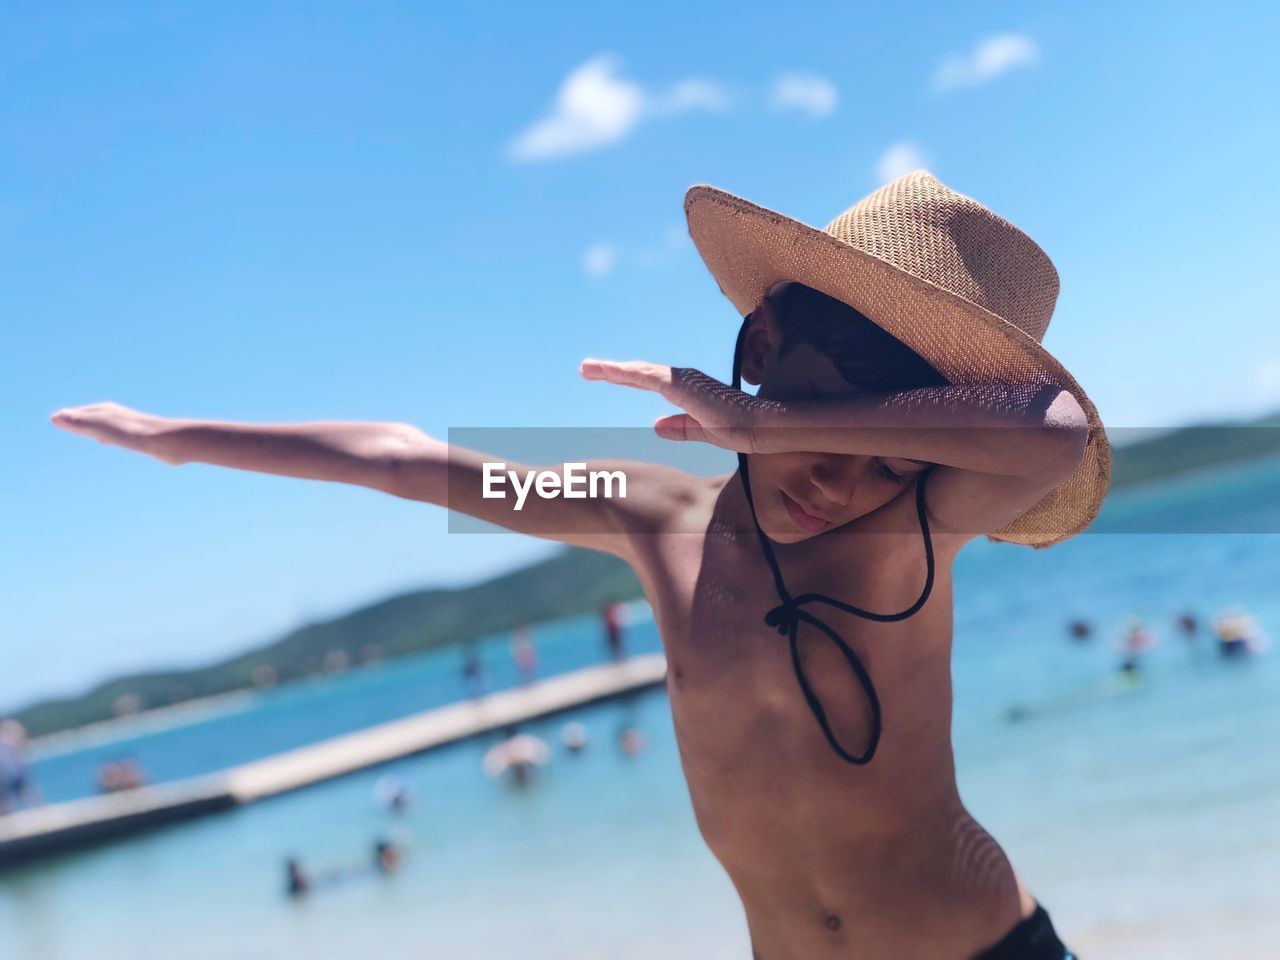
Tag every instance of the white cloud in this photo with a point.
(691, 94)
(900, 159)
(989, 59)
(599, 259)
(596, 107)
(806, 93)
(593, 108)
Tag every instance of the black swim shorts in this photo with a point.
(1032, 939)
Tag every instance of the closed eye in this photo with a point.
(888, 472)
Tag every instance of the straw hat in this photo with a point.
(962, 287)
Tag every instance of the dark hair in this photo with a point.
(866, 355)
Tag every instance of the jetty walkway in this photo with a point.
(30, 834)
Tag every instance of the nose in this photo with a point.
(834, 480)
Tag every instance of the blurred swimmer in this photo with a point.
(517, 757)
(574, 736)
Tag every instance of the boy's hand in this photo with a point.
(715, 412)
(118, 426)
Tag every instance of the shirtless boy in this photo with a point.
(905, 407)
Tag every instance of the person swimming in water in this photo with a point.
(517, 757)
(1136, 642)
(574, 737)
(1238, 634)
(1079, 630)
(297, 880)
(1188, 625)
(387, 857)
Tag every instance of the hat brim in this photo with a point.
(748, 249)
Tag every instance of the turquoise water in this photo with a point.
(264, 724)
(1146, 820)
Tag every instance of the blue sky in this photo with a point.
(431, 212)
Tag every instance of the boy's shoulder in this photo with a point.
(665, 499)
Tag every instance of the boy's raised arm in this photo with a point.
(997, 448)
(394, 458)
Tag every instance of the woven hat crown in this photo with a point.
(930, 231)
(965, 289)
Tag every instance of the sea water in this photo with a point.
(1145, 817)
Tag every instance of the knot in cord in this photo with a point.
(784, 618)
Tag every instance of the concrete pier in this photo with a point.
(30, 834)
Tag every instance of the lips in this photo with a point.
(802, 518)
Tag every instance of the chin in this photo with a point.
(782, 530)
(789, 536)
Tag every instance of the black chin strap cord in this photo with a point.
(787, 616)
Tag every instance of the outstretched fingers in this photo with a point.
(86, 420)
(714, 412)
(109, 423)
(640, 374)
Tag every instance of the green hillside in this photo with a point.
(1195, 448)
(572, 582)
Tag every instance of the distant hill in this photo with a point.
(572, 582)
(1195, 448)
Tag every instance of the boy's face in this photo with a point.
(800, 495)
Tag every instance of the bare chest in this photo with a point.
(739, 709)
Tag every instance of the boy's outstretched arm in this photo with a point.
(394, 458)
